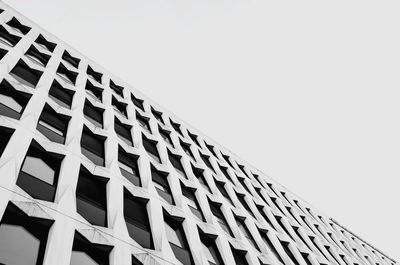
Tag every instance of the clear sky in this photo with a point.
(306, 91)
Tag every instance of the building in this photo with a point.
(94, 172)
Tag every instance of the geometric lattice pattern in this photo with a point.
(94, 172)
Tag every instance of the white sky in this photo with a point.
(307, 92)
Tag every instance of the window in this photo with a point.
(93, 114)
(137, 102)
(67, 75)
(12, 102)
(288, 252)
(53, 125)
(119, 107)
(258, 190)
(307, 259)
(279, 220)
(129, 166)
(194, 138)
(2, 53)
(160, 181)
(137, 220)
(135, 261)
(198, 173)
(45, 43)
(14, 23)
(176, 163)
(176, 126)
(157, 115)
(117, 89)
(186, 149)
(226, 158)
(38, 57)
(8, 38)
(216, 210)
(93, 91)
(6, 134)
(39, 173)
(22, 238)
(177, 239)
(243, 183)
(270, 246)
(221, 188)
(190, 198)
(61, 95)
(143, 122)
(92, 146)
(86, 253)
(241, 167)
(123, 131)
(244, 203)
(211, 149)
(151, 148)
(210, 248)
(70, 59)
(165, 135)
(242, 227)
(224, 170)
(264, 215)
(207, 161)
(91, 197)
(239, 256)
(26, 75)
(95, 75)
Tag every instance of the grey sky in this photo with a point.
(306, 92)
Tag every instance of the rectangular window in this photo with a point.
(210, 248)
(239, 256)
(12, 102)
(93, 114)
(224, 171)
(128, 164)
(211, 149)
(186, 149)
(242, 227)
(66, 74)
(216, 210)
(160, 181)
(85, 252)
(8, 38)
(14, 23)
(25, 74)
(199, 174)
(176, 126)
(137, 102)
(143, 122)
(92, 146)
(117, 89)
(70, 59)
(53, 125)
(119, 107)
(94, 92)
(207, 161)
(151, 148)
(221, 187)
(37, 57)
(176, 163)
(61, 95)
(244, 203)
(95, 75)
(190, 198)
(264, 215)
(288, 252)
(166, 136)
(123, 131)
(157, 115)
(194, 138)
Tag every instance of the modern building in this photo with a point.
(94, 172)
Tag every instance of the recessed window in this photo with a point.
(282, 225)
(239, 256)
(67, 75)
(84, 252)
(12, 101)
(176, 126)
(8, 38)
(176, 163)
(6, 134)
(243, 183)
(157, 115)
(61, 95)
(224, 170)
(2, 53)
(216, 210)
(143, 122)
(186, 149)
(91, 197)
(260, 208)
(123, 131)
(227, 159)
(242, 169)
(95, 75)
(26, 75)
(160, 181)
(14, 23)
(45, 43)
(190, 198)
(70, 59)
(166, 136)
(151, 148)
(221, 187)
(92, 146)
(199, 174)
(206, 160)
(119, 107)
(211, 149)
(93, 91)
(53, 125)
(135, 261)
(210, 248)
(194, 138)
(137, 102)
(93, 114)
(22, 239)
(39, 173)
(137, 220)
(270, 246)
(244, 203)
(177, 239)
(242, 227)
(128, 164)
(36, 56)
(289, 253)
(258, 190)
(117, 89)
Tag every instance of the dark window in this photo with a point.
(95, 75)
(210, 248)
(272, 189)
(86, 253)
(165, 135)
(119, 107)
(270, 246)
(39, 172)
(91, 197)
(22, 238)
(37, 56)
(316, 245)
(6, 134)
(123, 131)
(93, 91)
(12, 101)
(66, 75)
(216, 210)
(135, 261)
(211, 149)
(160, 181)
(264, 215)
(243, 183)
(18, 26)
(288, 252)
(258, 190)
(257, 177)
(26, 75)
(157, 115)
(93, 114)
(92, 146)
(137, 220)
(53, 125)
(194, 138)
(143, 122)
(128, 164)
(177, 164)
(186, 149)
(239, 256)
(70, 59)
(242, 227)
(224, 170)
(274, 200)
(117, 89)
(227, 159)
(199, 175)
(279, 220)
(296, 230)
(151, 148)
(177, 239)
(137, 102)
(176, 126)
(207, 161)
(221, 188)
(61, 95)
(244, 203)
(2, 53)
(307, 260)
(44, 42)
(8, 38)
(333, 256)
(190, 198)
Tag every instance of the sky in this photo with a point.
(306, 91)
